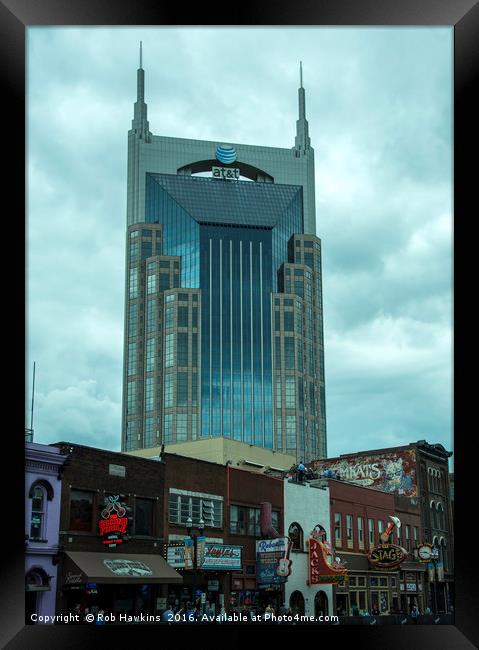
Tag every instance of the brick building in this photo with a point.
(166, 501)
(127, 576)
(417, 476)
(231, 497)
(358, 517)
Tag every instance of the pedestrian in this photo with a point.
(355, 610)
(269, 612)
(168, 615)
(414, 614)
(100, 617)
(427, 611)
(301, 469)
(190, 613)
(245, 614)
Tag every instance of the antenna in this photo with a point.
(29, 432)
(301, 73)
(33, 397)
(141, 55)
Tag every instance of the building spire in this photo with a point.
(302, 140)
(140, 124)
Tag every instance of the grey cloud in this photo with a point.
(379, 109)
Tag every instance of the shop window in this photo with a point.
(81, 510)
(358, 602)
(144, 510)
(295, 534)
(342, 604)
(379, 602)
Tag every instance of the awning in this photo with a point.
(117, 568)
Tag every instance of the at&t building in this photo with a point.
(223, 306)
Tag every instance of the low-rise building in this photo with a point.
(111, 533)
(43, 470)
(416, 476)
(306, 508)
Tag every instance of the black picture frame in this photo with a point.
(463, 15)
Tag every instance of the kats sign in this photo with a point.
(387, 556)
(323, 568)
(393, 472)
(113, 523)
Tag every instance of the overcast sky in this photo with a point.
(379, 106)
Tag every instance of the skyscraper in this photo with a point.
(223, 305)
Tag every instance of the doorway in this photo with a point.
(296, 602)
(321, 607)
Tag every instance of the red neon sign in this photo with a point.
(114, 524)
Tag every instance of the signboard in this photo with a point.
(188, 553)
(226, 154)
(161, 602)
(323, 568)
(226, 173)
(269, 552)
(222, 557)
(393, 472)
(213, 585)
(113, 522)
(424, 552)
(175, 555)
(387, 556)
(411, 586)
(117, 470)
(125, 567)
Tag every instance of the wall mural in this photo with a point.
(392, 472)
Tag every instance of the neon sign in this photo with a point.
(324, 568)
(387, 556)
(113, 523)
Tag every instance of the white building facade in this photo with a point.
(306, 507)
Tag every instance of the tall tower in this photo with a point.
(223, 307)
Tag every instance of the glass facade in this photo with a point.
(223, 329)
(232, 239)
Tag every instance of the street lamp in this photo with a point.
(194, 536)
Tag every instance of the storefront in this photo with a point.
(368, 592)
(210, 580)
(117, 584)
(411, 588)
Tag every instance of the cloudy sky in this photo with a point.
(379, 106)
